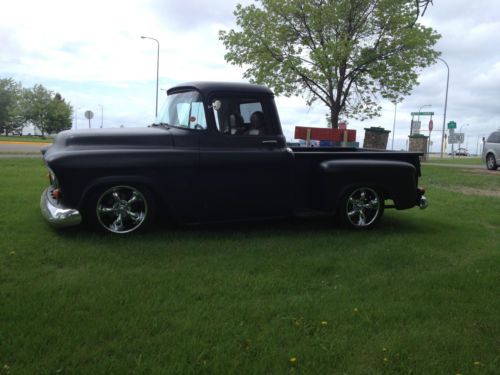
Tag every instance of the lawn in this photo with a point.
(419, 294)
(457, 160)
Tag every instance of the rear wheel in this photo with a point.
(361, 207)
(491, 163)
(120, 209)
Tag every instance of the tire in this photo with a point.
(120, 209)
(361, 208)
(491, 163)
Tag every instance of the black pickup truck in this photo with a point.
(217, 153)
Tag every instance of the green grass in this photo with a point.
(419, 294)
(25, 138)
(465, 160)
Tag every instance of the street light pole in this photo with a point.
(420, 109)
(157, 68)
(76, 117)
(102, 114)
(445, 104)
(394, 125)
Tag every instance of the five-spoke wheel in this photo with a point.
(361, 207)
(120, 209)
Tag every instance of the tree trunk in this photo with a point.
(334, 118)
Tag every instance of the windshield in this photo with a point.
(184, 110)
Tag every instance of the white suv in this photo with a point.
(491, 151)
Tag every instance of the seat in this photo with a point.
(257, 123)
(236, 124)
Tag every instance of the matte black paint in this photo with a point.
(202, 175)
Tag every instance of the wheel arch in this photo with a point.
(109, 181)
(395, 180)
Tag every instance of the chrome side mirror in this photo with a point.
(216, 104)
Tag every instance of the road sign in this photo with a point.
(89, 115)
(415, 127)
(422, 113)
(452, 125)
(456, 138)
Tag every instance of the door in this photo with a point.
(245, 166)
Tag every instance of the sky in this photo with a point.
(91, 52)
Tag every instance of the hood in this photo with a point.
(116, 138)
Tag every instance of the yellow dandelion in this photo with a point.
(355, 309)
(293, 360)
(324, 323)
(386, 359)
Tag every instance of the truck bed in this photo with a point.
(307, 175)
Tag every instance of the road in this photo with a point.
(21, 149)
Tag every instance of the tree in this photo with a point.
(49, 113)
(11, 107)
(59, 115)
(345, 53)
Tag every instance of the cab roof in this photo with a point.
(205, 88)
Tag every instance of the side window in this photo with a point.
(240, 116)
(494, 138)
(247, 109)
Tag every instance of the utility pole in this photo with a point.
(445, 104)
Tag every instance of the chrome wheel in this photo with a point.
(121, 209)
(491, 163)
(363, 207)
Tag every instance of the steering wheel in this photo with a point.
(198, 127)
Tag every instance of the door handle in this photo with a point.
(270, 142)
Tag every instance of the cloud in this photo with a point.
(92, 53)
(193, 15)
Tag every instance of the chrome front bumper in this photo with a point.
(57, 215)
(423, 203)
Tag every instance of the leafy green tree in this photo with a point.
(49, 113)
(37, 102)
(59, 115)
(11, 108)
(345, 53)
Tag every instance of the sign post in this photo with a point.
(452, 125)
(415, 125)
(431, 126)
(89, 115)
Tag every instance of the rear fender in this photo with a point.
(396, 180)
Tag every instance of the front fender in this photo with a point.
(117, 180)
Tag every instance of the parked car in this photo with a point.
(462, 152)
(491, 151)
(217, 153)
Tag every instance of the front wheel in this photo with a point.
(361, 207)
(491, 163)
(120, 209)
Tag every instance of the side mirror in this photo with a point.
(216, 104)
